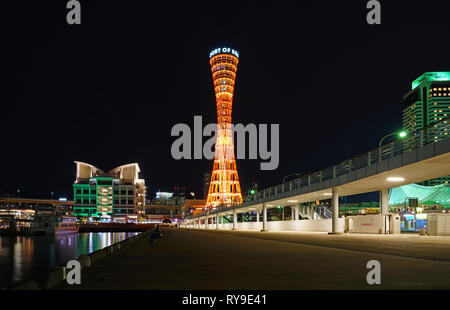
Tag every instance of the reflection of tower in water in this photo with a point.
(224, 188)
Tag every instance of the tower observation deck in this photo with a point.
(224, 188)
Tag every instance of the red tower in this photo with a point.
(224, 188)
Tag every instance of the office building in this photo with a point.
(427, 103)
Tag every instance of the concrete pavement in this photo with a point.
(194, 259)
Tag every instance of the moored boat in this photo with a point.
(50, 224)
(67, 225)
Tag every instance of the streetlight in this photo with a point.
(400, 134)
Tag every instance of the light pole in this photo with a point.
(401, 134)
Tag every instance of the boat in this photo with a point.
(67, 225)
(50, 224)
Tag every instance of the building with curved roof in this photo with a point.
(438, 195)
(118, 194)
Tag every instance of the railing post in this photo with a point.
(320, 176)
(334, 172)
(349, 165)
(309, 179)
(368, 159)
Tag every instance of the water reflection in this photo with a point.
(23, 257)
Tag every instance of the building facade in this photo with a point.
(427, 103)
(206, 182)
(117, 193)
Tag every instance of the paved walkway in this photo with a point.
(194, 259)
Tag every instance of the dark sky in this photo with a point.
(108, 91)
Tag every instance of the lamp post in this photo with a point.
(401, 134)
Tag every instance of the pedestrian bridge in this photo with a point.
(421, 156)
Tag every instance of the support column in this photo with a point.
(234, 219)
(217, 220)
(292, 213)
(335, 207)
(296, 213)
(257, 215)
(384, 201)
(264, 218)
(206, 222)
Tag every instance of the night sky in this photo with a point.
(108, 91)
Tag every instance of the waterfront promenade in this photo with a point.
(193, 259)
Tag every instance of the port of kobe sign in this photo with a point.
(224, 50)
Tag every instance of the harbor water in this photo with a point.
(26, 257)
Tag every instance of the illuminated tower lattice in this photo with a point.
(224, 189)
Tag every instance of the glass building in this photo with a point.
(116, 193)
(428, 102)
